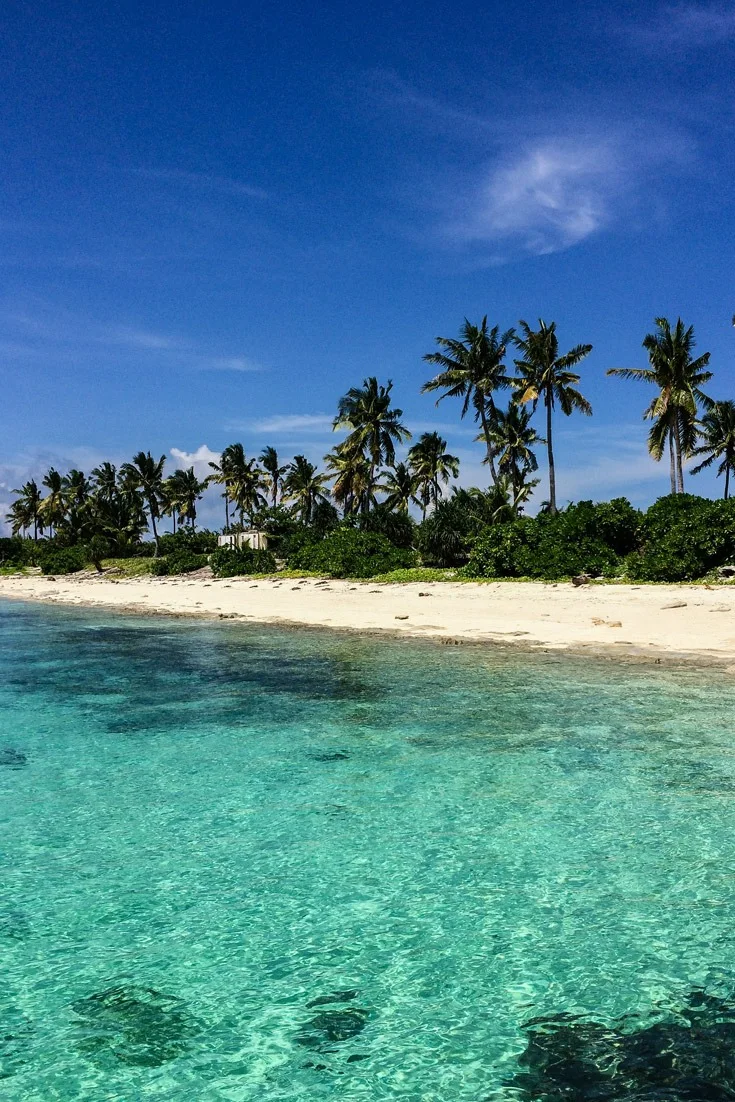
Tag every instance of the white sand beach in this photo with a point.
(648, 622)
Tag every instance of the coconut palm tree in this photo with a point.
(546, 376)
(374, 428)
(513, 437)
(269, 463)
(305, 486)
(399, 484)
(146, 474)
(25, 512)
(431, 464)
(183, 490)
(349, 472)
(679, 378)
(104, 481)
(222, 472)
(472, 369)
(53, 507)
(717, 436)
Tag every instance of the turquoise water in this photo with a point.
(205, 828)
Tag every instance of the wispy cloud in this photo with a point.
(556, 192)
(685, 25)
(206, 181)
(230, 363)
(289, 424)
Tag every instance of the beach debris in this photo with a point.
(688, 1054)
(133, 1025)
(582, 579)
(598, 622)
(333, 996)
(721, 608)
(426, 594)
(13, 759)
(675, 604)
(331, 1026)
(401, 617)
(727, 571)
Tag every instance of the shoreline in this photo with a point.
(671, 624)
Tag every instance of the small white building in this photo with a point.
(251, 537)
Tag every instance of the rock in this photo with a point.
(332, 1026)
(727, 571)
(334, 996)
(330, 755)
(133, 1025)
(675, 604)
(582, 579)
(14, 759)
(425, 594)
(401, 617)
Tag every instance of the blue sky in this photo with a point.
(217, 218)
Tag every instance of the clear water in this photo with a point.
(243, 821)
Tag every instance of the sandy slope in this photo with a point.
(646, 621)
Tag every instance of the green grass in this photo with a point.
(6, 571)
(129, 568)
(417, 574)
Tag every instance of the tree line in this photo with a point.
(363, 471)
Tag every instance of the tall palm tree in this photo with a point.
(374, 428)
(53, 506)
(350, 474)
(513, 438)
(146, 474)
(104, 481)
(183, 490)
(306, 487)
(472, 369)
(25, 513)
(431, 464)
(399, 484)
(546, 376)
(679, 378)
(222, 476)
(717, 436)
(269, 463)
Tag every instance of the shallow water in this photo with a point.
(243, 863)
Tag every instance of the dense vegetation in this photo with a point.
(359, 516)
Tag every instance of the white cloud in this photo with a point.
(288, 424)
(686, 25)
(230, 363)
(199, 459)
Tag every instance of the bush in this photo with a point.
(398, 528)
(683, 538)
(194, 543)
(179, 562)
(349, 553)
(12, 552)
(584, 538)
(61, 560)
(229, 562)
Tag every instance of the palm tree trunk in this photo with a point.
(155, 532)
(672, 460)
(679, 468)
(227, 508)
(550, 450)
(727, 482)
(488, 445)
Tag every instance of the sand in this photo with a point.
(653, 623)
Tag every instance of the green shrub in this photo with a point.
(349, 553)
(397, 527)
(179, 562)
(61, 560)
(194, 543)
(229, 562)
(684, 537)
(12, 551)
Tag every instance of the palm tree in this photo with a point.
(680, 379)
(222, 476)
(431, 465)
(349, 472)
(146, 474)
(183, 489)
(513, 437)
(472, 369)
(399, 484)
(269, 462)
(717, 433)
(104, 481)
(305, 487)
(546, 376)
(52, 507)
(25, 513)
(374, 428)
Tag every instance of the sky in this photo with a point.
(215, 219)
